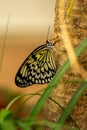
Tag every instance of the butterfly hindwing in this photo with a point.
(38, 68)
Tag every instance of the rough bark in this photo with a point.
(68, 34)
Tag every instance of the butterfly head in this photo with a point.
(49, 44)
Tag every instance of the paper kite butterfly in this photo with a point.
(38, 68)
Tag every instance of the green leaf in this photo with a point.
(5, 115)
(6, 122)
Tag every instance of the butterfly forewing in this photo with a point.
(38, 68)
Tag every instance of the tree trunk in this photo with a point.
(69, 33)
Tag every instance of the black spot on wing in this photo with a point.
(34, 57)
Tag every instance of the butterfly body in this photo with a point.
(38, 68)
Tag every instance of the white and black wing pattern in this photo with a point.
(38, 68)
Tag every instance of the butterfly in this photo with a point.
(38, 68)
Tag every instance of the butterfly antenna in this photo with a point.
(48, 33)
(54, 43)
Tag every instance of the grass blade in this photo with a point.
(4, 42)
(54, 83)
(71, 105)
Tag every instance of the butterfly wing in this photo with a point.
(38, 68)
